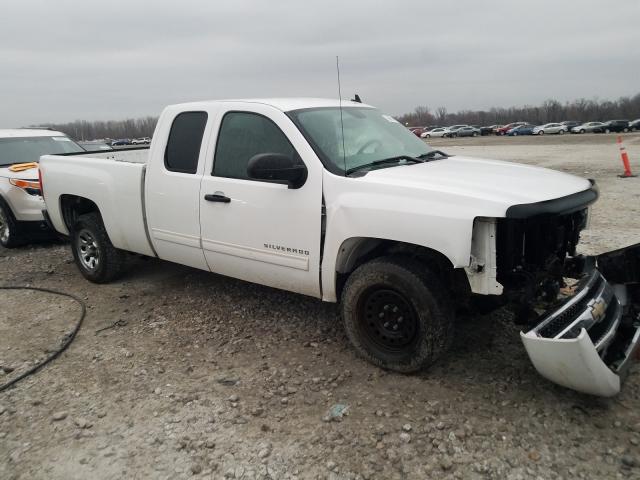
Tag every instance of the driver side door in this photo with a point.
(255, 230)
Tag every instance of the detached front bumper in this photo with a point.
(589, 341)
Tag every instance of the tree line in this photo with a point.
(86, 130)
(582, 110)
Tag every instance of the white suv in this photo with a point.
(21, 202)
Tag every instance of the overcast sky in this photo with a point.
(94, 59)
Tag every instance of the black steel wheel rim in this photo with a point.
(387, 320)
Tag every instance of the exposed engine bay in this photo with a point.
(535, 256)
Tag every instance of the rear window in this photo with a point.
(185, 138)
(30, 149)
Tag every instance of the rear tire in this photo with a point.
(561, 132)
(606, 130)
(475, 134)
(397, 314)
(10, 234)
(95, 256)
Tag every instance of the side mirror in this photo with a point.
(277, 168)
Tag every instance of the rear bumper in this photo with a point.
(589, 341)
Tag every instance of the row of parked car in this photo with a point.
(524, 128)
(131, 141)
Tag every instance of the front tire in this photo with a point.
(606, 130)
(397, 315)
(10, 234)
(95, 256)
(561, 132)
(541, 132)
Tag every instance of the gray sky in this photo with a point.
(94, 59)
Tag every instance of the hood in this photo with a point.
(493, 183)
(29, 174)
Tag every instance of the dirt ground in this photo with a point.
(209, 377)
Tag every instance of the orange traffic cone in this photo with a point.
(625, 160)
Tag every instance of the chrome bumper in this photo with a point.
(587, 344)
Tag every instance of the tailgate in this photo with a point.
(588, 342)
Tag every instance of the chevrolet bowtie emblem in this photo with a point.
(598, 310)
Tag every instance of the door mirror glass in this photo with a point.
(277, 168)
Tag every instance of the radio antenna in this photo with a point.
(344, 153)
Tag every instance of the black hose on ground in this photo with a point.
(64, 345)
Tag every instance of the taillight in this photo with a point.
(32, 187)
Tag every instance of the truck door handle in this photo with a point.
(217, 197)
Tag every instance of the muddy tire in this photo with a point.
(95, 256)
(397, 314)
(10, 233)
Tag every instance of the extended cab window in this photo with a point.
(242, 136)
(185, 138)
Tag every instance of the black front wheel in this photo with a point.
(10, 234)
(95, 256)
(397, 315)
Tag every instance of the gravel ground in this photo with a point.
(209, 377)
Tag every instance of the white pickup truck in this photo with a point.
(338, 201)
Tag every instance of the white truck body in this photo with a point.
(303, 239)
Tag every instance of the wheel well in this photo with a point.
(72, 206)
(357, 251)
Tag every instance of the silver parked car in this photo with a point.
(467, 131)
(589, 127)
(550, 128)
(436, 132)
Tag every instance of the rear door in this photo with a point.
(172, 187)
(261, 232)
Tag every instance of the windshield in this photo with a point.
(29, 149)
(369, 136)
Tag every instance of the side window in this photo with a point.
(185, 138)
(243, 135)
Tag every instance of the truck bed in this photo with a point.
(113, 180)
(129, 155)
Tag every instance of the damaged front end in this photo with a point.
(589, 329)
(588, 342)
